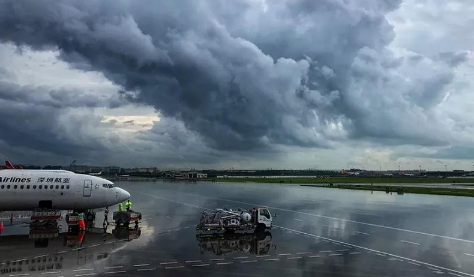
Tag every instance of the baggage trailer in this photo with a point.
(256, 219)
(126, 217)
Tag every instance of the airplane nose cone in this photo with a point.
(123, 194)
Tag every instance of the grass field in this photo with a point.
(351, 180)
(366, 184)
(405, 189)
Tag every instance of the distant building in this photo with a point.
(194, 175)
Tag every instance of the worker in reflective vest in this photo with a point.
(120, 207)
(128, 205)
(82, 224)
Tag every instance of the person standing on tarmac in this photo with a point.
(128, 205)
(106, 216)
(120, 206)
(82, 224)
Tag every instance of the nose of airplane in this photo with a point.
(123, 194)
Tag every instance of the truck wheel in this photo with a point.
(260, 228)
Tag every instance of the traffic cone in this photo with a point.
(1, 226)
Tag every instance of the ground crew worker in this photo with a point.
(128, 205)
(120, 207)
(82, 224)
(106, 216)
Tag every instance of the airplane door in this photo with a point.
(87, 188)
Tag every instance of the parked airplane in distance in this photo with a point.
(22, 190)
(95, 174)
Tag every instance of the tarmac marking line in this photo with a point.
(294, 258)
(325, 251)
(262, 256)
(384, 253)
(285, 254)
(83, 269)
(336, 254)
(410, 242)
(146, 269)
(200, 265)
(414, 263)
(40, 256)
(61, 252)
(167, 263)
(314, 256)
(140, 265)
(303, 253)
(362, 233)
(51, 272)
(214, 260)
(114, 272)
(239, 258)
(196, 261)
(246, 262)
(354, 253)
(87, 274)
(113, 267)
(174, 267)
(224, 263)
(271, 260)
(94, 245)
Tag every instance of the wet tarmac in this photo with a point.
(317, 231)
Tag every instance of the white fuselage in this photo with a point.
(56, 189)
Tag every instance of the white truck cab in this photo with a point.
(262, 218)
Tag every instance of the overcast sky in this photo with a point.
(326, 84)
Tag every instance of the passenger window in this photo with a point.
(104, 185)
(3, 186)
(57, 186)
(51, 187)
(40, 186)
(15, 187)
(28, 187)
(62, 187)
(46, 187)
(67, 187)
(34, 187)
(8, 187)
(22, 186)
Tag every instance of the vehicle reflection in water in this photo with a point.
(45, 249)
(222, 244)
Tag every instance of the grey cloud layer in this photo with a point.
(246, 75)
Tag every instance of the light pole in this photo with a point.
(446, 167)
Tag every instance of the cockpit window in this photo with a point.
(111, 186)
(104, 185)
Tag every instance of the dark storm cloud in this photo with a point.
(36, 118)
(246, 74)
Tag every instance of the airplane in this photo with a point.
(96, 174)
(22, 190)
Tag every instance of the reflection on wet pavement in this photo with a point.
(317, 232)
